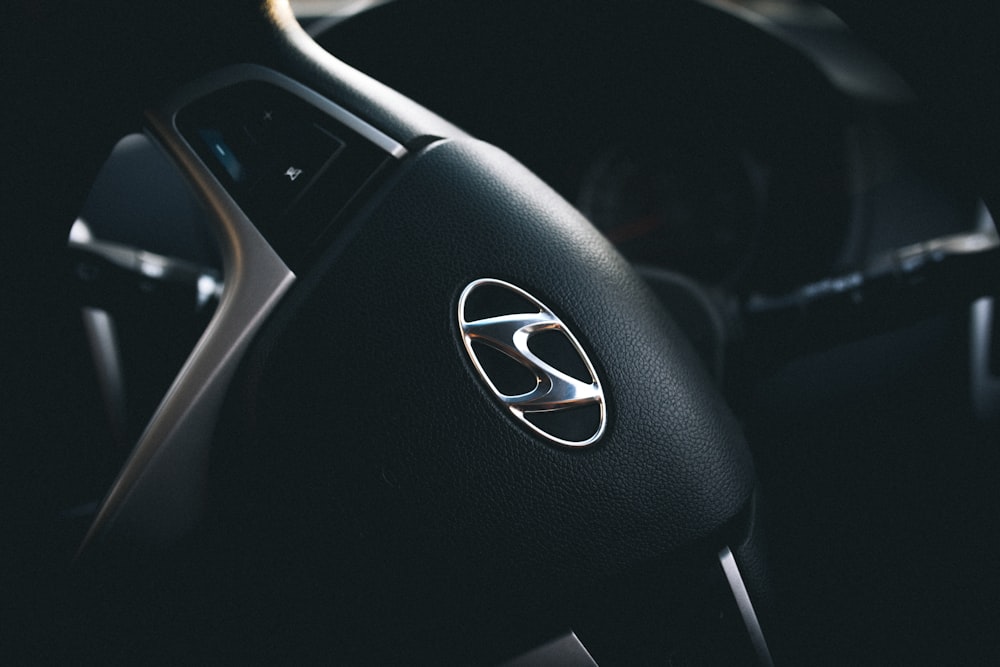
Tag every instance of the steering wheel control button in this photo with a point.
(532, 363)
(270, 145)
(297, 163)
(290, 166)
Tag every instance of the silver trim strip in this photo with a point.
(159, 494)
(566, 651)
(745, 606)
(234, 74)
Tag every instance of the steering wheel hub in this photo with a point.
(339, 426)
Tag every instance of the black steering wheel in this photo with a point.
(436, 417)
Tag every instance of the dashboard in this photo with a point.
(785, 194)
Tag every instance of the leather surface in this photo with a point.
(359, 427)
(296, 54)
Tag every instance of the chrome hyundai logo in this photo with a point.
(555, 390)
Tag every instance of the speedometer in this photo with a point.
(693, 210)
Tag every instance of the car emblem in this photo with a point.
(532, 362)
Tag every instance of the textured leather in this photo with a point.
(295, 53)
(359, 427)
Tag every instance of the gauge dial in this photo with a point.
(693, 211)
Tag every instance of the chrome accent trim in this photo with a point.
(509, 334)
(234, 74)
(566, 651)
(745, 606)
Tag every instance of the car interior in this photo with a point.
(550, 332)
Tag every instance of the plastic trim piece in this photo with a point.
(159, 493)
(745, 606)
(234, 74)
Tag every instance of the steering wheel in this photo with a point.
(436, 417)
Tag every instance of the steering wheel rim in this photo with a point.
(691, 449)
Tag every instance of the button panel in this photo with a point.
(292, 168)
